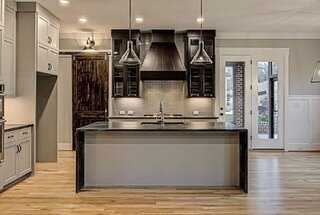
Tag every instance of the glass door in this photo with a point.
(235, 79)
(267, 103)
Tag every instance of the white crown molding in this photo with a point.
(267, 35)
(76, 35)
(220, 35)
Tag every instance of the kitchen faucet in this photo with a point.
(161, 113)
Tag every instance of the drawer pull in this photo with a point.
(24, 133)
(12, 136)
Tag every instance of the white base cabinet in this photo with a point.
(17, 152)
(1, 176)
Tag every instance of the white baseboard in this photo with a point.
(64, 146)
(303, 147)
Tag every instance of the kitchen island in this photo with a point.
(194, 154)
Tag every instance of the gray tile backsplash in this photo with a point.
(173, 94)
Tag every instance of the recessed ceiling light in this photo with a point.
(83, 20)
(200, 19)
(64, 2)
(139, 19)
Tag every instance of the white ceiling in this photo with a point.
(227, 16)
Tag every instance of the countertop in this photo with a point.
(13, 127)
(166, 117)
(137, 126)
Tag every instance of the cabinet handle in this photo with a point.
(9, 137)
(49, 40)
(49, 66)
(24, 133)
(18, 149)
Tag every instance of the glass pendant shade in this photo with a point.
(130, 57)
(316, 74)
(201, 57)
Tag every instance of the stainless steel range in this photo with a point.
(2, 121)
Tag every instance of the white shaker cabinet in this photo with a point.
(43, 30)
(9, 52)
(53, 37)
(2, 5)
(1, 176)
(48, 60)
(43, 63)
(17, 155)
(10, 151)
(9, 67)
(48, 46)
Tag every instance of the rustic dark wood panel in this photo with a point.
(90, 89)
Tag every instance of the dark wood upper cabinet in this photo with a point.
(201, 79)
(126, 79)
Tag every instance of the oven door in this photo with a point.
(2, 140)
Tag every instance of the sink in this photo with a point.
(159, 123)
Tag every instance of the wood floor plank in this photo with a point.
(279, 183)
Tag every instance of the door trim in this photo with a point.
(241, 52)
(247, 76)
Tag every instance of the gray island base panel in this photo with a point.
(194, 154)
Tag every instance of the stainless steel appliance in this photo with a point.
(2, 121)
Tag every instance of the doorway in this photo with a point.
(252, 93)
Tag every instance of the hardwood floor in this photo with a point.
(279, 183)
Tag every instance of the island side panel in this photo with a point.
(80, 154)
(162, 158)
(243, 144)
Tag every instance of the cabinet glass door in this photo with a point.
(118, 81)
(208, 81)
(132, 81)
(195, 81)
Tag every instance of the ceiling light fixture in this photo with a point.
(200, 20)
(90, 44)
(316, 74)
(64, 2)
(83, 20)
(139, 19)
(130, 57)
(201, 57)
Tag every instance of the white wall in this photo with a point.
(65, 103)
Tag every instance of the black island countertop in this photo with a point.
(138, 126)
(166, 117)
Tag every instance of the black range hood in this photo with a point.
(163, 61)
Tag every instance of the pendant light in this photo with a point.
(201, 57)
(316, 74)
(130, 57)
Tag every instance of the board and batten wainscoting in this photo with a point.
(302, 123)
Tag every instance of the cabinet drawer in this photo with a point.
(10, 137)
(24, 133)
